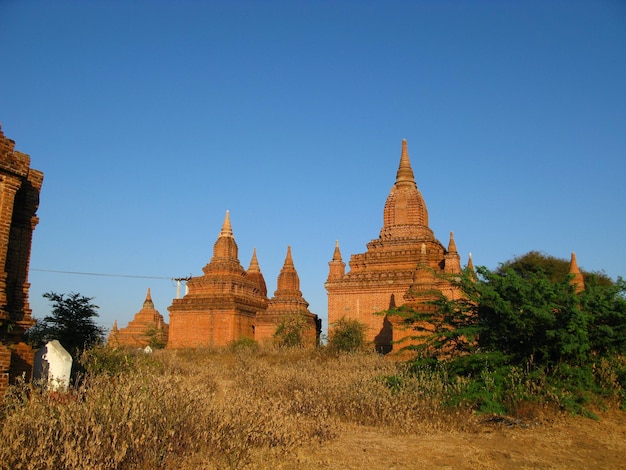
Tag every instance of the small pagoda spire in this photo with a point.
(225, 248)
(115, 329)
(227, 229)
(254, 273)
(254, 263)
(470, 267)
(337, 253)
(288, 258)
(148, 302)
(452, 258)
(288, 279)
(405, 172)
(452, 244)
(337, 267)
(577, 280)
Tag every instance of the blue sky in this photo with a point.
(150, 119)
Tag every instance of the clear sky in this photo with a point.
(152, 118)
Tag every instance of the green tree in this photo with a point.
(525, 316)
(347, 335)
(72, 323)
(290, 331)
(556, 269)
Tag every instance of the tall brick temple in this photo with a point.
(20, 186)
(403, 266)
(229, 302)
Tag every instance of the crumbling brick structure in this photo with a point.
(147, 328)
(20, 186)
(405, 265)
(229, 302)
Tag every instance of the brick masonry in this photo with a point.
(20, 187)
(398, 268)
(229, 302)
(147, 328)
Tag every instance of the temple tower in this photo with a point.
(404, 261)
(221, 305)
(288, 304)
(147, 328)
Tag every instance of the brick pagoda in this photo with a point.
(402, 266)
(146, 328)
(288, 302)
(229, 302)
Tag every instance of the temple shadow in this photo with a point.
(383, 341)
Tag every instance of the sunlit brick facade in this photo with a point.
(404, 265)
(20, 186)
(229, 302)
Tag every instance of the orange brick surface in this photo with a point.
(20, 186)
(406, 259)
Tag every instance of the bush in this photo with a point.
(347, 335)
(290, 331)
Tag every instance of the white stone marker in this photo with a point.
(54, 364)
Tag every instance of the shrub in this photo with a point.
(347, 335)
(290, 331)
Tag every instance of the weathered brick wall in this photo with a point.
(5, 365)
(20, 186)
(216, 327)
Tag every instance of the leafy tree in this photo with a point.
(290, 331)
(556, 269)
(522, 332)
(347, 335)
(155, 338)
(524, 317)
(71, 323)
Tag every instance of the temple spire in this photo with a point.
(227, 229)
(254, 263)
(288, 279)
(470, 268)
(452, 244)
(254, 273)
(337, 267)
(405, 174)
(452, 258)
(225, 248)
(577, 280)
(337, 253)
(288, 258)
(148, 302)
(405, 213)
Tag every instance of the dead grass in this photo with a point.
(194, 409)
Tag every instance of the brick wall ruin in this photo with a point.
(20, 186)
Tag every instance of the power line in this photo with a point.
(101, 274)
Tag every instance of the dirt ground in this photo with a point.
(567, 443)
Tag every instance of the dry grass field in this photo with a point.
(282, 409)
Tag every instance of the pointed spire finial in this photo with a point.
(337, 253)
(254, 263)
(452, 244)
(227, 229)
(148, 302)
(405, 172)
(578, 281)
(288, 258)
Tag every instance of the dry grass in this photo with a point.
(216, 409)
